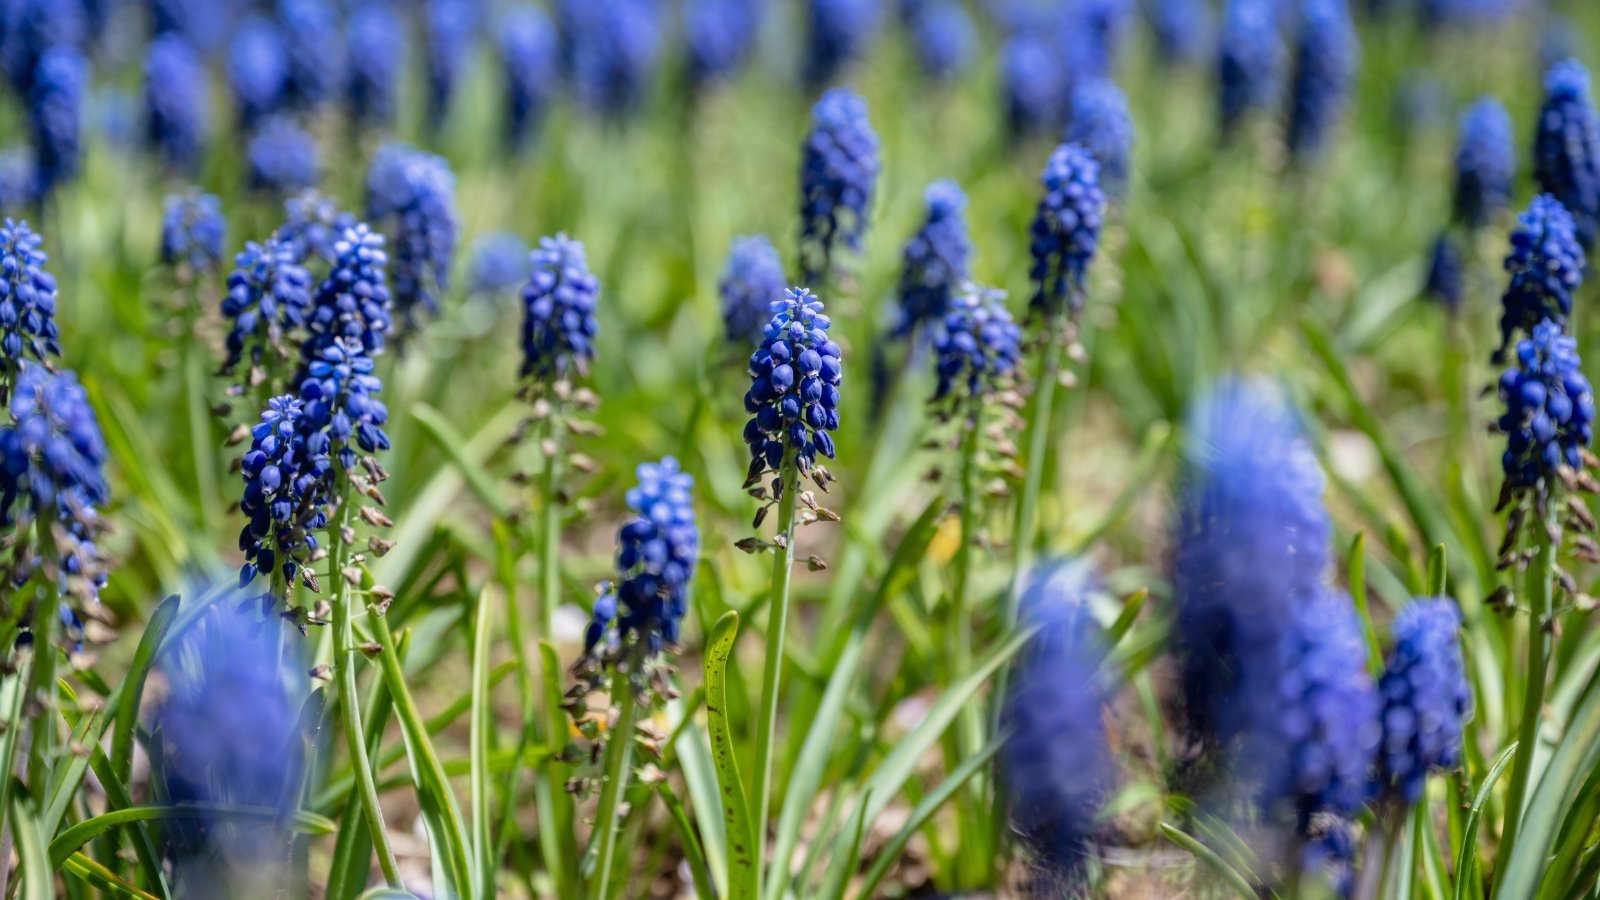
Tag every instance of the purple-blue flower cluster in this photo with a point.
(27, 296)
(314, 51)
(375, 49)
(1426, 699)
(342, 409)
(1446, 281)
(838, 32)
(657, 551)
(1566, 147)
(268, 298)
(1065, 231)
(192, 231)
(1249, 58)
(499, 263)
(978, 347)
(751, 283)
(839, 168)
(1099, 122)
(559, 324)
(943, 38)
(451, 28)
(413, 195)
(1546, 266)
(721, 34)
(1325, 61)
(55, 111)
(527, 43)
(285, 499)
(1032, 83)
(793, 399)
(935, 261)
(258, 70)
(1486, 163)
(313, 225)
(282, 157)
(608, 51)
(1549, 410)
(175, 102)
(1182, 30)
(353, 300)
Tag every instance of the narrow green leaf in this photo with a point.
(743, 849)
(838, 877)
(1467, 855)
(482, 724)
(96, 875)
(445, 436)
(1436, 572)
(1131, 606)
(1356, 567)
(132, 692)
(72, 839)
(38, 875)
(689, 841)
(1215, 863)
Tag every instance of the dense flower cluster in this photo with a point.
(1426, 699)
(27, 296)
(175, 102)
(258, 70)
(1446, 273)
(934, 262)
(192, 231)
(1182, 29)
(55, 110)
(838, 32)
(1032, 83)
(527, 45)
(1549, 415)
(451, 28)
(1100, 123)
(1485, 163)
(269, 297)
(1546, 266)
(353, 301)
(559, 324)
(499, 263)
(31, 28)
(313, 225)
(285, 499)
(608, 49)
(314, 51)
(839, 168)
(794, 387)
(656, 555)
(1566, 148)
(1065, 230)
(342, 409)
(943, 39)
(282, 157)
(414, 192)
(1057, 763)
(978, 346)
(1250, 57)
(375, 47)
(751, 283)
(1325, 61)
(721, 34)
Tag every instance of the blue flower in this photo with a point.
(192, 231)
(285, 499)
(17, 181)
(839, 168)
(751, 283)
(1182, 30)
(499, 263)
(1100, 123)
(411, 194)
(979, 345)
(27, 296)
(608, 49)
(1566, 148)
(1065, 230)
(283, 157)
(935, 259)
(315, 52)
(375, 47)
(943, 39)
(203, 24)
(55, 109)
(1446, 273)
(268, 299)
(838, 33)
(793, 399)
(31, 28)
(528, 60)
(1250, 56)
(1546, 266)
(1034, 84)
(52, 471)
(559, 325)
(1549, 415)
(1251, 543)
(258, 70)
(1426, 700)
(313, 225)
(656, 554)
(1485, 163)
(451, 27)
(721, 34)
(353, 301)
(1057, 762)
(1088, 33)
(1325, 61)
(175, 102)
(342, 409)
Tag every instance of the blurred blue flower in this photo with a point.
(528, 60)
(17, 181)
(657, 551)
(314, 49)
(1057, 763)
(934, 262)
(1100, 123)
(559, 325)
(1566, 147)
(353, 301)
(794, 388)
(175, 102)
(55, 112)
(1182, 30)
(451, 29)
(342, 409)
(1546, 266)
(1034, 84)
(1486, 163)
(1250, 56)
(1426, 699)
(1446, 273)
(285, 497)
(1549, 415)
(608, 51)
(113, 114)
(978, 347)
(751, 283)
(375, 50)
(721, 34)
(1326, 52)
(202, 24)
(268, 299)
(27, 296)
(1065, 231)
(838, 32)
(412, 195)
(31, 28)
(1089, 34)
(258, 70)
(499, 263)
(192, 231)
(283, 157)
(839, 168)
(943, 39)
(312, 226)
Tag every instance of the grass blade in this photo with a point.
(692, 853)
(132, 692)
(1467, 855)
(72, 840)
(96, 875)
(838, 877)
(743, 850)
(482, 841)
(1215, 863)
(38, 875)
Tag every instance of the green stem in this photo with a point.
(42, 686)
(968, 737)
(619, 758)
(349, 703)
(550, 789)
(777, 621)
(1540, 588)
(201, 443)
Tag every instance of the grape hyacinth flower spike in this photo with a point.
(1065, 232)
(175, 102)
(451, 28)
(935, 260)
(500, 264)
(1250, 55)
(27, 301)
(839, 168)
(258, 70)
(977, 348)
(1426, 699)
(1485, 162)
(1326, 51)
(1033, 84)
(838, 33)
(192, 232)
(528, 61)
(313, 225)
(1100, 123)
(315, 51)
(55, 113)
(943, 39)
(268, 303)
(1566, 147)
(1546, 267)
(375, 49)
(412, 194)
(721, 35)
(751, 283)
(285, 500)
(353, 300)
(282, 157)
(559, 325)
